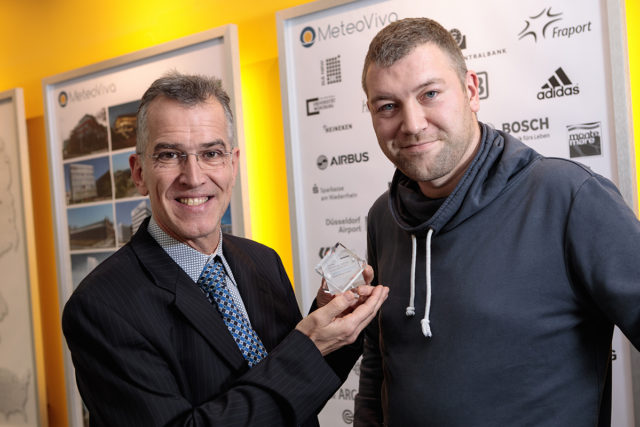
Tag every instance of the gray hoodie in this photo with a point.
(503, 295)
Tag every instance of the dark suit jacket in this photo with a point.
(150, 350)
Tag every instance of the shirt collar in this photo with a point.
(189, 259)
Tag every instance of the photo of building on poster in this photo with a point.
(123, 124)
(124, 186)
(88, 180)
(82, 264)
(129, 217)
(88, 136)
(91, 227)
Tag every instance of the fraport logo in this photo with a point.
(307, 37)
(538, 24)
(63, 99)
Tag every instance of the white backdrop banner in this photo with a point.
(545, 77)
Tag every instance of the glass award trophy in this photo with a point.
(341, 269)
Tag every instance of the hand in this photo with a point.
(323, 298)
(330, 328)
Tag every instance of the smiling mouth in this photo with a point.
(417, 145)
(193, 201)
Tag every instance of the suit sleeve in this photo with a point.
(368, 402)
(128, 378)
(602, 246)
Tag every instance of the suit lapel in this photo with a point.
(189, 299)
(255, 291)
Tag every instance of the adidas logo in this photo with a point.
(558, 85)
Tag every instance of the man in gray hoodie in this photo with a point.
(508, 270)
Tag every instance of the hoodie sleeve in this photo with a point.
(603, 253)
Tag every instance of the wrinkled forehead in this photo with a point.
(172, 122)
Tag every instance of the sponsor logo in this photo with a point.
(337, 128)
(315, 105)
(84, 94)
(483, 85)
(356, 368)
(585, 139)
(528, 129)
(342, 160)
(330, 71)
(526, 125)
(345, 225)
(63, 99)
(315, 189)
(331, 192)
(322, 162)
(347, 416)
(324, 251)
(309, 35)
(485, 54)
(540, 26)
(460, 38)
(570, 31)
(558, 85)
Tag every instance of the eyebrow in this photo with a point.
(384, 96)
(179, 146)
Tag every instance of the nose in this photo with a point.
(191, 173)
(414, 119)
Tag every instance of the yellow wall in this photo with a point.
(40, 38)
(633, 40)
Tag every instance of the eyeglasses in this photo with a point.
(207, 159)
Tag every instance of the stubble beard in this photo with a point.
(424, 167)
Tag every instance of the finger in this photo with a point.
(363, 314)
(339, 304)
(367, 274)
(364, 290)
(323, 296)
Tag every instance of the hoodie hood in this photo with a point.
(496, 165)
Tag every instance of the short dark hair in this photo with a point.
(398, 39)
(187, 89)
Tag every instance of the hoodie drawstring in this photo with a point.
(425, 323)
(411, 309)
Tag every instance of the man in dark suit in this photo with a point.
(185, 326)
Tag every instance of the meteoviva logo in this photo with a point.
(309, 35)
(76, 95)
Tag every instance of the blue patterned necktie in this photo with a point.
(212, 281)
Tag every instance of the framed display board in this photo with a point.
(90, 115)
(22, 384)
(554, 75)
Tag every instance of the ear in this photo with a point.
(235, 162)
(473, 90)
(135, 163)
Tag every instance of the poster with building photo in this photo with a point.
(90, 116)
(552, 75)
